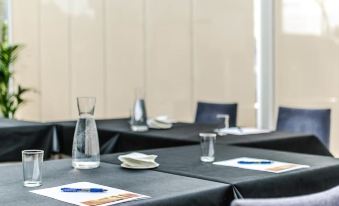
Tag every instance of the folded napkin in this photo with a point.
(155, 124)
(138, 160)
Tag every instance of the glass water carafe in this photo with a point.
(139, 116)
(86, 152)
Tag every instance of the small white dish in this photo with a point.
(154, 124)
(165, 119)
(140, 167)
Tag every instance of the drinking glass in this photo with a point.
(226, 122)
(207, 142)
(32, 167)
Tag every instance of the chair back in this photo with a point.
(326, 198)
(313, 121)
(207, 112)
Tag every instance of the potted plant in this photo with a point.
(11, 97)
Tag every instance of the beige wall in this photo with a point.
(180, 51)
(307, 57)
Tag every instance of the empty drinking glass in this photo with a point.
(226, 122)
(207, 142)
(32, 167)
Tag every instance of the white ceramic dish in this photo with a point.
(153, 124)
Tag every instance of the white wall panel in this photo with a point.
(168, 58)
(55, 84)
(223, 55)
(86, 53)
(123, 53)
(26, 27)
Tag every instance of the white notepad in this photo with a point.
(274, 166)
(111, 197)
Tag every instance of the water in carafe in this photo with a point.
(86, 152)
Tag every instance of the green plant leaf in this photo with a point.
(9, 101)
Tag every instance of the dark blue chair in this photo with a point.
(207, 112)
(326, 198)
(312, 121)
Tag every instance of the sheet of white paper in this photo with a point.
(243, 131)
(80, 198)
(275, 166)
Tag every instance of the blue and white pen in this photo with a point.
(83, 189)
(264, 162)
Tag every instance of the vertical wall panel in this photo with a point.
(26, 30)
(86, 52)
(124, 54)
(54, 60)
(168, 63)
(223, 55)
(307, 58)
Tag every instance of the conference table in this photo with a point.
(115, 136)
(16, 136)
(163, 188)
(322, 174)
(181, 179)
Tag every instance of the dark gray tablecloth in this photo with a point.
(180, 131)
(323, 173)
(116, 136)
(281, 141)
(165, 189)
(65, 133)
(16, 136)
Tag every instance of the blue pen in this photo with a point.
(83, 190)
(265, 162)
